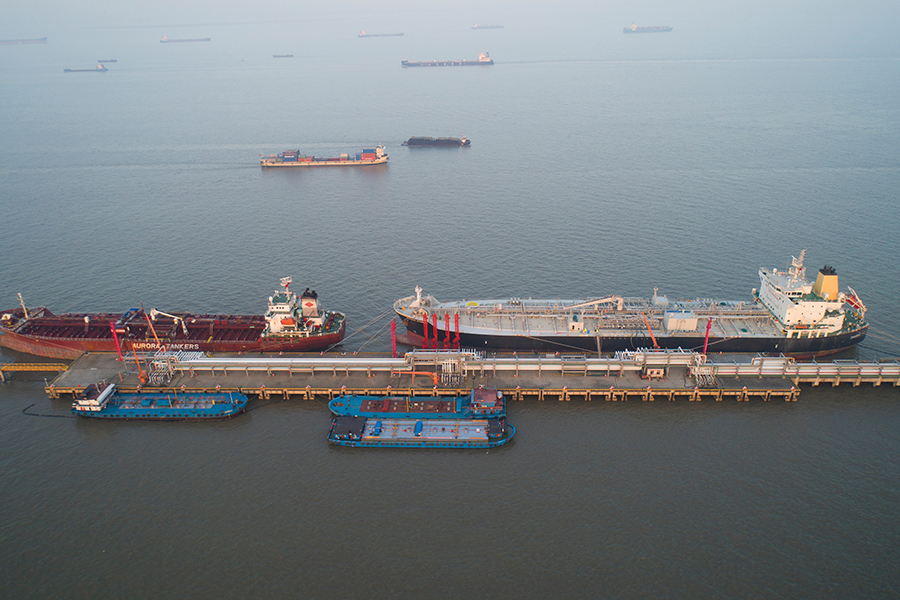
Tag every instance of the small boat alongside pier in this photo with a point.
(103, 401)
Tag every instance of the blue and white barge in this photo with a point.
(103, 401)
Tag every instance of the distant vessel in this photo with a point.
(103, 401)
(444, 141)
(419, 433)
(293, 158)
(108, 60)
(481, 403)
(362, 33)
(282, 56)
(787, 315)
(635, 29)
(42, 40)
(483, 59)
(166, 40)
(291, 323)
(487, 26)
(98, 69)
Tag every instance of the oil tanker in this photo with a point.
(42, 40)
(293, 158)
(483, 59)
(787, 314)
(440, 142)
(291, 323)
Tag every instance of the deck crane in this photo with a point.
(157, 313)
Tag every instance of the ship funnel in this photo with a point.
(826, 283)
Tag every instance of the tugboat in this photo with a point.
(103, 401)
(290, 324)
(481, 403)
(788, 315)
(419, 433)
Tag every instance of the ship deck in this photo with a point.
(449, 430)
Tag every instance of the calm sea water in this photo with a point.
(601, 163)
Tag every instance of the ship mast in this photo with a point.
(796, 269)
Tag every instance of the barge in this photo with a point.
(441, 142)
(293, 158)
(103, 401)
(787, 315)
(419, 433)
(481, 403)
(290, 323)
(483, 59)
(42, 40)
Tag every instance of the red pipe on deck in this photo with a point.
(434, 326)
(447, 343)
(456, 323)
(112, 327)
(706, 339)
(394, 338)
(425, 322)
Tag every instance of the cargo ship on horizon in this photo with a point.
(658, 29)
(293, 158)
(166, 40)
(787, 315)
(100, 68)
(290, 324)
(363, 34)
(483, 59)
(42, 40)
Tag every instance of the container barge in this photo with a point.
(293, 158)
(103, 401)
(419, 433)
(481, 403)
(787, 315)
(658, 29)
(442, 142)
(483, 59)
(291, 323)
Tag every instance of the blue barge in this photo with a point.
(103, 401)
(419, 433)
(481, 403)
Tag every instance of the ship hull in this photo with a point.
(323, 163)
(446, 63)
(244, 337)
(167, 407)
(800, 348)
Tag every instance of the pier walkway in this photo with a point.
(646, 375)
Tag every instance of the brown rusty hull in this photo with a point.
(67, 337)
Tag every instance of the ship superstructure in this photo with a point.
(788, 315)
